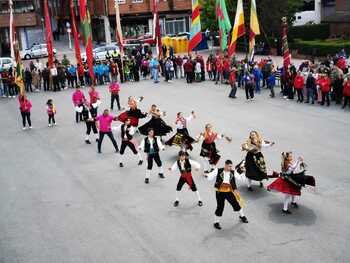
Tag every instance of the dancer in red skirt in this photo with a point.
(184, 165)
(291, 180)
(209, 151)
(133, 113)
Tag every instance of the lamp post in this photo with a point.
(42, 28)
(69, 31)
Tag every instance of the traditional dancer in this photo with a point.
(94, 99)
(156, 123)
(51, 111)
(290, 181)
(151, 145)
(89, 116)
(126, 133)
(226, 189)
(104, 125)
(255, 167)
(184, 165)
(209, 151)
(182, 137)
(133, 113)
(78, 99)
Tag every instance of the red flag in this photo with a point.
(48, 34)
(75, 34)
(156, 25)
(85, 20)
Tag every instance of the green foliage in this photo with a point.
(320, 48)
(309, 32)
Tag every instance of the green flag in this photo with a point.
(224, 23)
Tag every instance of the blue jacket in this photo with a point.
(271, 80)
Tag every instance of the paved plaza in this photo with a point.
(61, 202)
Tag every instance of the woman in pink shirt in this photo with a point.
(94, 99)
(78, 99)
(24, 106)
(104, 126)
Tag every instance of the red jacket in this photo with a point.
(299, 82)
(325, 84)
(346, 91)
(24, 105)
(188, 66)
(232, 77)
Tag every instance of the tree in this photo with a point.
(270, 13)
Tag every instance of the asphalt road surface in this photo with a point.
(63, 202)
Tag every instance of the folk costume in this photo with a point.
(182, 137)
(225, 186)
(184, 165)
(255, 166)
(290, 181)
(89, 116)
(126, 132)
(151, 145)
(134, 114)
(208, 150)
(156, 123)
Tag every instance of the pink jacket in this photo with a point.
(78, 97)
(25, 105)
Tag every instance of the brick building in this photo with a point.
(337, 14)
(136, 18)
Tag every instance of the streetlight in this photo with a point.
(42, 28)
(69, 32)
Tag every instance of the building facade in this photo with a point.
(337, 14)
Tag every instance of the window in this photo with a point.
(175, 26)
(121, 1)
(137, 1)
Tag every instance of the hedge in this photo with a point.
(320, 48)
(309, 32)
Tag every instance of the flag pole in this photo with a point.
(119, 35)
(11, 30)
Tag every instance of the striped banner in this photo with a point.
(196, 34)
(11, 30)
(254, 28)
(238, 28)
(285, 48)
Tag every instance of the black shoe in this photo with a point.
(176, 203)
(161, 175)
(117, 151)
(96, 140)
(200, 203)
(206, 171)
(98, 151)
(217, 225)
(243, 219)
(286, 212)
(250, 189)
(261, 185)
(87, 142)
(140, 162)
(146, 181)
(121, 165)
(294, 204)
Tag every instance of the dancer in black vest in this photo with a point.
(151, 146)
(226, 189)
(126, 134)
(184, 164)
(89, 115)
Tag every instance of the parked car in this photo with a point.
(100, 52)
(6, 63)
(35, 51)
